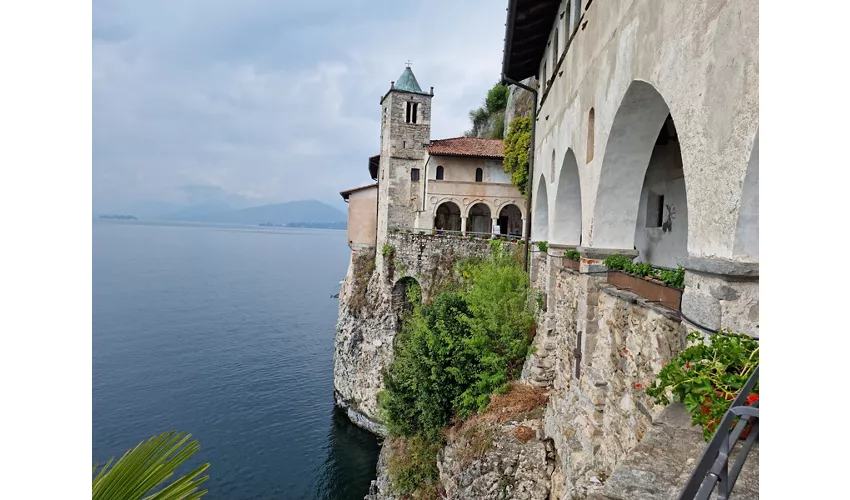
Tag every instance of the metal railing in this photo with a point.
(450, 232)
(713, 472)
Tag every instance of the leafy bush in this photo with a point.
(517, 143)
(412, 464)
(388, 250)
(497, 98)
(452, 353)
(673, 277)
(617, 262)
(707, 376)
(543, 246)
(572, 255)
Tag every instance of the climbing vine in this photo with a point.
(517, 144)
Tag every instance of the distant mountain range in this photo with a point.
(307, 213)
(302, 212)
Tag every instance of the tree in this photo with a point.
(148, 466)
(517, 144)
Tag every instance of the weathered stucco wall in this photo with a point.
(702, 61)
(363, 217)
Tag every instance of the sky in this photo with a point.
(264, 101)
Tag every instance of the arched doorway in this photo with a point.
(566, 220)
(480, 220)
(641, 201)
(540, 219)
(510, 220)
(447, 217)
(747, 228)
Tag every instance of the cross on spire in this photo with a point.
(407, 64)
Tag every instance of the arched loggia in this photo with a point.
(540, 219)
(747, 228)
(641, 199)
(566, 220)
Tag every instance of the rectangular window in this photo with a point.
(654, 210)
(412, 111)
(414, 174)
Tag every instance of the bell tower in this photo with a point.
(405, 133)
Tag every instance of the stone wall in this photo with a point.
(369, 318)
(596, 414)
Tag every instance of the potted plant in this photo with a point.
(571, 259)
(642, 278)
(707, 376)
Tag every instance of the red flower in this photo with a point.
(688, 365)
(752, 398)
(639, 386)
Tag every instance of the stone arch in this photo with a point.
(631, 142)
(540, 217)
(566, 220)
(447, 216)
(510, 220)
(479, 217)
(746, 244)
(407, 292)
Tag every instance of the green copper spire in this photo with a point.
(408, 82)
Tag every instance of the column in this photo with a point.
(463, 225)
(721, 293)
(493, 222)
(524, 229)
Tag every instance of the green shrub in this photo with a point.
(673, 277)
(388, 250)
(497, 98)
(452, 353)
(543, 246)
(517, 143)
(572, 255)
(617, 262)
(707, 376)
(412, 464)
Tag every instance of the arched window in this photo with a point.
(440, 172)
(591, 123)
(479, 175)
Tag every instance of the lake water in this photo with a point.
(226, 333)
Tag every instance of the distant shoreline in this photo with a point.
(260, 226)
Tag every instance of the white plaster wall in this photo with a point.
(702, 58)
(664, 177)
(463, 169)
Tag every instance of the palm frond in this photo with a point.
(148, 466)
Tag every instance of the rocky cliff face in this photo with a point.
(363, 345)
(370, 301)
(519, 101)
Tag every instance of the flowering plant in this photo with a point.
(707, 376)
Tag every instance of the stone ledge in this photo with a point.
(637, 299)
(664, 460)
(601, 253)
(722, 267)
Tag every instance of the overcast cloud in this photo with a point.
(265, 101)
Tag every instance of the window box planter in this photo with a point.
(651, 290)
(571, 264)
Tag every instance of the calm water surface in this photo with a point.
(226, 333)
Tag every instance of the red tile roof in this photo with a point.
(467, 146)
(347, 193)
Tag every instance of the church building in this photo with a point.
(455, 185)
